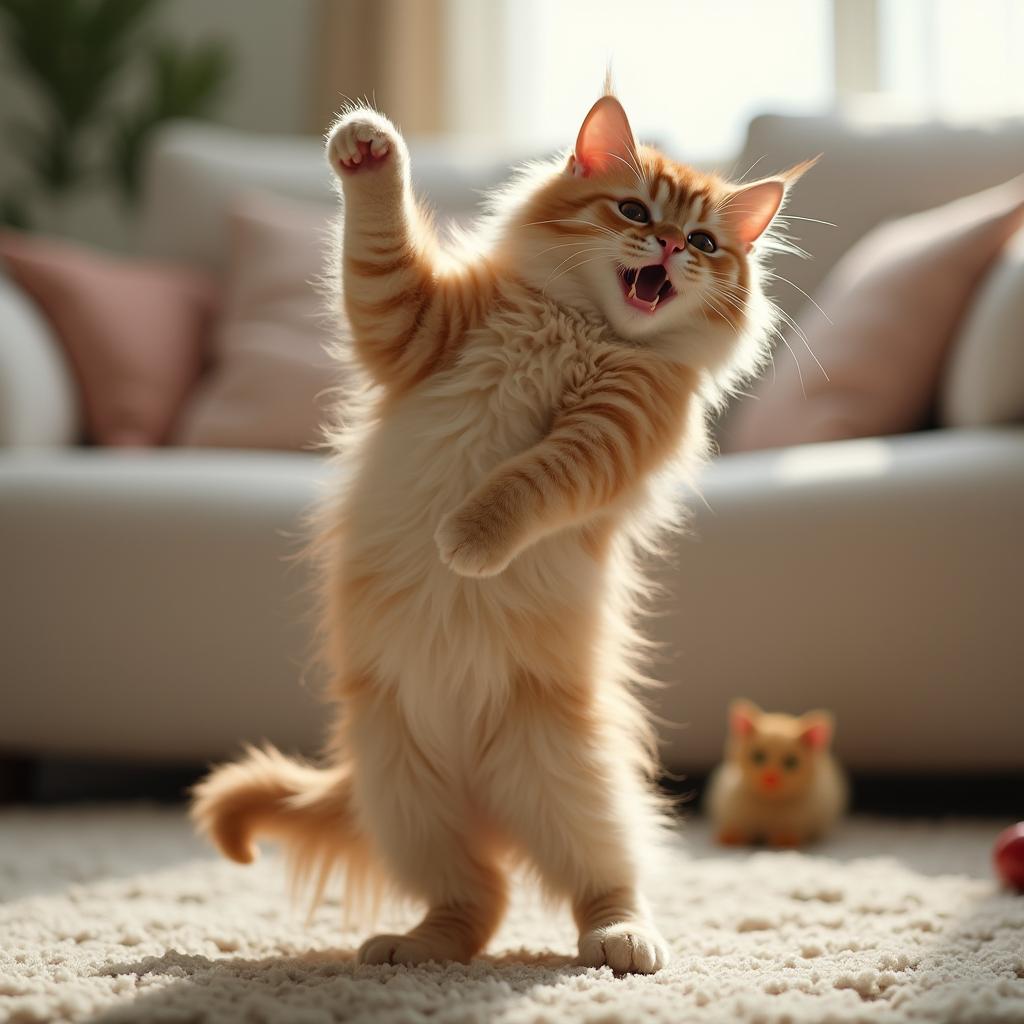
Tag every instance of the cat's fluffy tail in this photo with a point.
(267, 794)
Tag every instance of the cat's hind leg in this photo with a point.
(574, 804)
(429, 844)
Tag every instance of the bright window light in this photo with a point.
(691, 72)
(953, 60)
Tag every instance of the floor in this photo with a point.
(116, 913)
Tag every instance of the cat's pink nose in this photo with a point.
(671, 245)
(770, 779)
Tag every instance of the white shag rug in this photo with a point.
(119, 915)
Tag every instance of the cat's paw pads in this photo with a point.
(470, 542)
(628, 948)
(399, 949)
(361, 139)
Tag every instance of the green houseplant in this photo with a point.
(74, 55)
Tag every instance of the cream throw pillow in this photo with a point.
(984, 380)
(895, 301)
(269, 382)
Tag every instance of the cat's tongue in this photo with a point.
(649, 281)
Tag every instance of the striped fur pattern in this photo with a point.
(524, 420)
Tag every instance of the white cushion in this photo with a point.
(271, 379)
(984, 380)
(195, 172)
(38, 402)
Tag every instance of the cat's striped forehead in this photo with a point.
(675, 189)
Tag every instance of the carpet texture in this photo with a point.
(118, 915)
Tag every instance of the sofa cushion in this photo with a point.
(196, 170)
(134, 331)
(871, 172)
(894, 302)
(983, 382)
(269, 385)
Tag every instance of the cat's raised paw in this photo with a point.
(470, 542)
(362, 139)
(399, 949)
(627, 948)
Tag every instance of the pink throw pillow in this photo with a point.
(270, 382)
(895, 301)
(134, 332)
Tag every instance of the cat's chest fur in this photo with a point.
(428, 451)
(440, 440)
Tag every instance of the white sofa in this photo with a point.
(149, 609)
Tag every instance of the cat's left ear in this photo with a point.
(750, 209)
(816, 728)
(605, 140)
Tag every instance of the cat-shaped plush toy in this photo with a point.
(779, 783)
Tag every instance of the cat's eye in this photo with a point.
(632, 210)
(702, 241)
(758, 756)
(791, 762)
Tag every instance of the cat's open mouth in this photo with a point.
(646, 288)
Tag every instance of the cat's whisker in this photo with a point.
(786, 280)
(617, 235)
(812, 220)
(554, 275)
(796, 362)
(631, 167)
(563, 245)
(550, 281)
(795, 327)
(721, 313)
(739, 180)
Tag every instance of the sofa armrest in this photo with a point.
(879, 578)
(38, 400)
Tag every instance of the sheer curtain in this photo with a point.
(952, 59)
(691, 72)
(520, 74)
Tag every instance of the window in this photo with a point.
(691, 73)
(950, 59)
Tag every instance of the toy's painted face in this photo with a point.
(776, 766)
(777, 755)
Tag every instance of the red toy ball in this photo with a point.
(1008, 856)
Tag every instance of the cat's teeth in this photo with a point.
(632, 288)
(654, 304)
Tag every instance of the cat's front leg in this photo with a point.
(485, 532)
(603, 444)
(397, 306)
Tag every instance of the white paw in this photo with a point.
(399, 949)
(627, 948)
(361, 138)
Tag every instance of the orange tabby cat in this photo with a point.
(534, 387)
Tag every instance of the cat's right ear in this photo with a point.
(743, 716)
(605, 140)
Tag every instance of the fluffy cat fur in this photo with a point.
(527, 411)
(779, 783)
